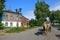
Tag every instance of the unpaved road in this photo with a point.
(32, 34)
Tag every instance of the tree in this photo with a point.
(1, 26)
(32, 23)
(52, 16)
(41, 11)
(1, 10)
(55, 16)
(38, 23)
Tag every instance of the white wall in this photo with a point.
(14, 24)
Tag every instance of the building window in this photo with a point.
(17, 24)
(6, 24)
(6, 17)
(11, 24)
(16, 17)
(11, 17)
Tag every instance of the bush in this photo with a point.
(1, 26)
(32, 23)
(59, 25)
(19, 29)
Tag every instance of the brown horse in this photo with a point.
(47, 26)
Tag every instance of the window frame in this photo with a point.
(11, 17)
(11, 24)
(6, 24)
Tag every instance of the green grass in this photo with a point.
(15, 29)
(19, 29)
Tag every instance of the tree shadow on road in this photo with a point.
(58, 29)
(58, 35)
(39, 32)
(55, 26)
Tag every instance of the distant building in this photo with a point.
(25, 22)
(13, 19)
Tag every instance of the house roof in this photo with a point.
(25, 17)
(9, 11)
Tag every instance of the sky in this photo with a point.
(28, 6)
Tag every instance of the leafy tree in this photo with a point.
(1, 10)
(52, 16)
(41, 11)
(55, 16)
(38, 23)
(1, 26)
(1, 7)
(32, 23)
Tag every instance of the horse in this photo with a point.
(47, 27)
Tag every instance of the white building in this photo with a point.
(12, 19)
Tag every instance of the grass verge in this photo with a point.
(19, 29)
